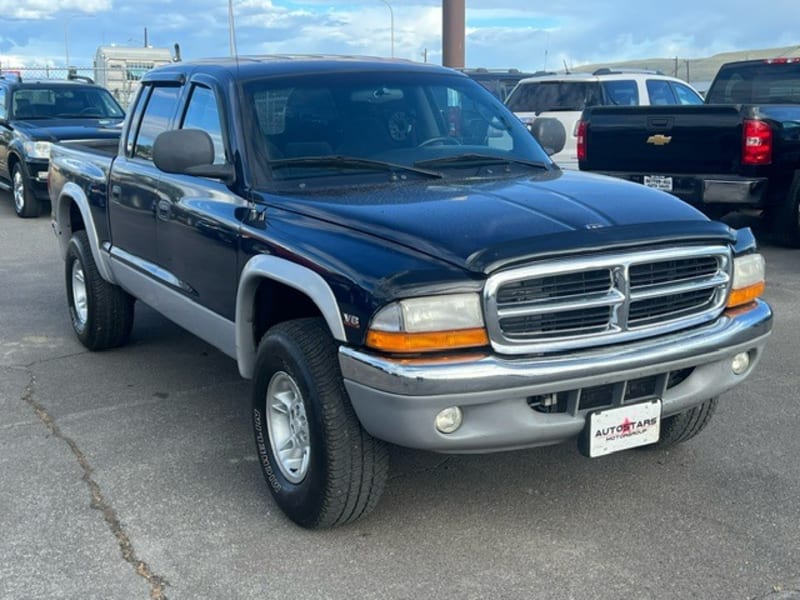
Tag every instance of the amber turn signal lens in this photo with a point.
(427, 342)
(745, 295)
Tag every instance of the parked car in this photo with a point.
(740, 150)
(33, 115)
(551, 105)
(391, 257)
(499, 82)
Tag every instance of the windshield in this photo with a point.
(548, 96)
(64, 102)
(394, 120)
(756, 83)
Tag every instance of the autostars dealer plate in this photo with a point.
(624, 427)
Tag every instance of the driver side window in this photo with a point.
(203, 113)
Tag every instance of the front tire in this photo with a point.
(101, 313)
(786, 221)
(679, 428)
(320, 465)
(26, 205)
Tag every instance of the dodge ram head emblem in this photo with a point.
(659, 139)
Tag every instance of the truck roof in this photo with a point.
(244, 67)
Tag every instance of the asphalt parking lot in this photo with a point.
(132, 474)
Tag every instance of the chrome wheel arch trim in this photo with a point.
(288, 273)
(72, 192)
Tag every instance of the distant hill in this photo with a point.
(697, 71)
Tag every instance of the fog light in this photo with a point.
(740, 363)
(448, 420)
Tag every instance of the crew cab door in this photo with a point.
(134, 181)
(199, 218)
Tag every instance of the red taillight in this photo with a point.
(783, 60)
(580, 133)
(757, 143)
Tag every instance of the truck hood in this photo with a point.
(55, 130)
(481, 226)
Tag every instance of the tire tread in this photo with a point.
(112, 309)
(357, 464)
(679, 428)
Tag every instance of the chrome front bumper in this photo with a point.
(397, 400)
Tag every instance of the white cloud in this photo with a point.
(47, 9)
(501, 33)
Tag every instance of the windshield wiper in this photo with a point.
(468, 160)
(82, 116)
(337, 161)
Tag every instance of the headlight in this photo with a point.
(429, 324)
(749, 276)
(37, 149)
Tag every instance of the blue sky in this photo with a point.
(500, 33)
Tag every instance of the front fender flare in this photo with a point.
(288, 273)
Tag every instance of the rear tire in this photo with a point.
(320, 465)
(684, 426)
(101, 312)
(26, 205)
(786, 220)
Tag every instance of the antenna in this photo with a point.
(231, 29)
(566, 68)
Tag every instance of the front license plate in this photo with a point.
(659, 182)
(624, 427)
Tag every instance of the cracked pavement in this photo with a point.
(132, 474)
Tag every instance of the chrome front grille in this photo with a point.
(589, 301)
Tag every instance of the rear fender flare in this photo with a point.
(288, 273)
(72, 192)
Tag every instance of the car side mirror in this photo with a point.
(550, 133)
(189, 152)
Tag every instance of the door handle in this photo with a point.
(116, 191)
(164, 210)
(659, 123)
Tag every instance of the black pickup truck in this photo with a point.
(390, 256)
(36, 113)
(739, 150)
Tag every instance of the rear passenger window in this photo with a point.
(621, 93)
(3, 112)
(203, 113)
(660, 93)
(157, 114)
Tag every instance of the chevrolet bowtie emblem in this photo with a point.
(659, 139)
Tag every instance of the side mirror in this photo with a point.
(189, 152)
(550, 133)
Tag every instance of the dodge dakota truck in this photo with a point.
(36, 113)
(739, 150)
(391, 258)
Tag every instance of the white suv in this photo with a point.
(551, 105)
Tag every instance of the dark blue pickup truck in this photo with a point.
(390, 256)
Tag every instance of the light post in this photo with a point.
(66, 34)
(391, 23)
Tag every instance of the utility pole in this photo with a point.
(453, 27)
